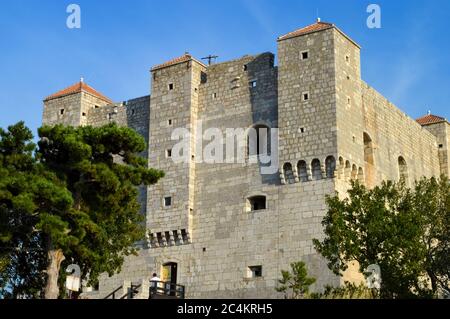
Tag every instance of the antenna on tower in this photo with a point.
(210, 58)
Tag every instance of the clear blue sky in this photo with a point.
(407, 60)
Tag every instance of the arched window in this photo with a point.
(403, 169)
(258, 140)
(330, 166)
(316, 169)
(368, 149)
(354, 172)
(361, 175)
(255, 203)
(341, 166)
(288, 173)
(302, 171)
(369, 160)
(347, 170)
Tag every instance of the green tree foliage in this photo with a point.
(295, 284)
(347, 291)
(26, 191)
(404, 231)
(75, 202)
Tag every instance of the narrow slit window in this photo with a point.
(61, 111)
(170, 86)
(169, 153)
(305, 96)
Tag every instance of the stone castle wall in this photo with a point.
(343, 130)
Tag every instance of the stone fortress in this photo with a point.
(226, 230)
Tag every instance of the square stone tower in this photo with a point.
(173, 104)
(71, 105)
(310, 92)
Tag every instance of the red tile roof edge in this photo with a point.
(430, 119)
(184, 58)
(315, 27)
(78, 88)
(312, 28)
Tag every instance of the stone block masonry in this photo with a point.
(226, 230)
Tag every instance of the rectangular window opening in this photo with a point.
(170, 86)
(169, 153)
(255, 271)
(305, 55)
(167, 201)
(252, 84)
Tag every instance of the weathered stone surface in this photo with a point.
(343, 130)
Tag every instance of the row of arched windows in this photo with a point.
(304, 172)
(348, 171)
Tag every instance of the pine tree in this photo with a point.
(101, 169)
(74, 202)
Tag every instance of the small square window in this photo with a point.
(167, 201)
(96, 107)
(441, 145)
(61, 111)
(255, 271)
(305, 96)
(305, 55)
(83, 114)
(252, 84)
(302, 130)
(169, 153)
(170, 86)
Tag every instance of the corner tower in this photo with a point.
(307, 101)
(174, 104)
(71, 105)
(439, 127)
